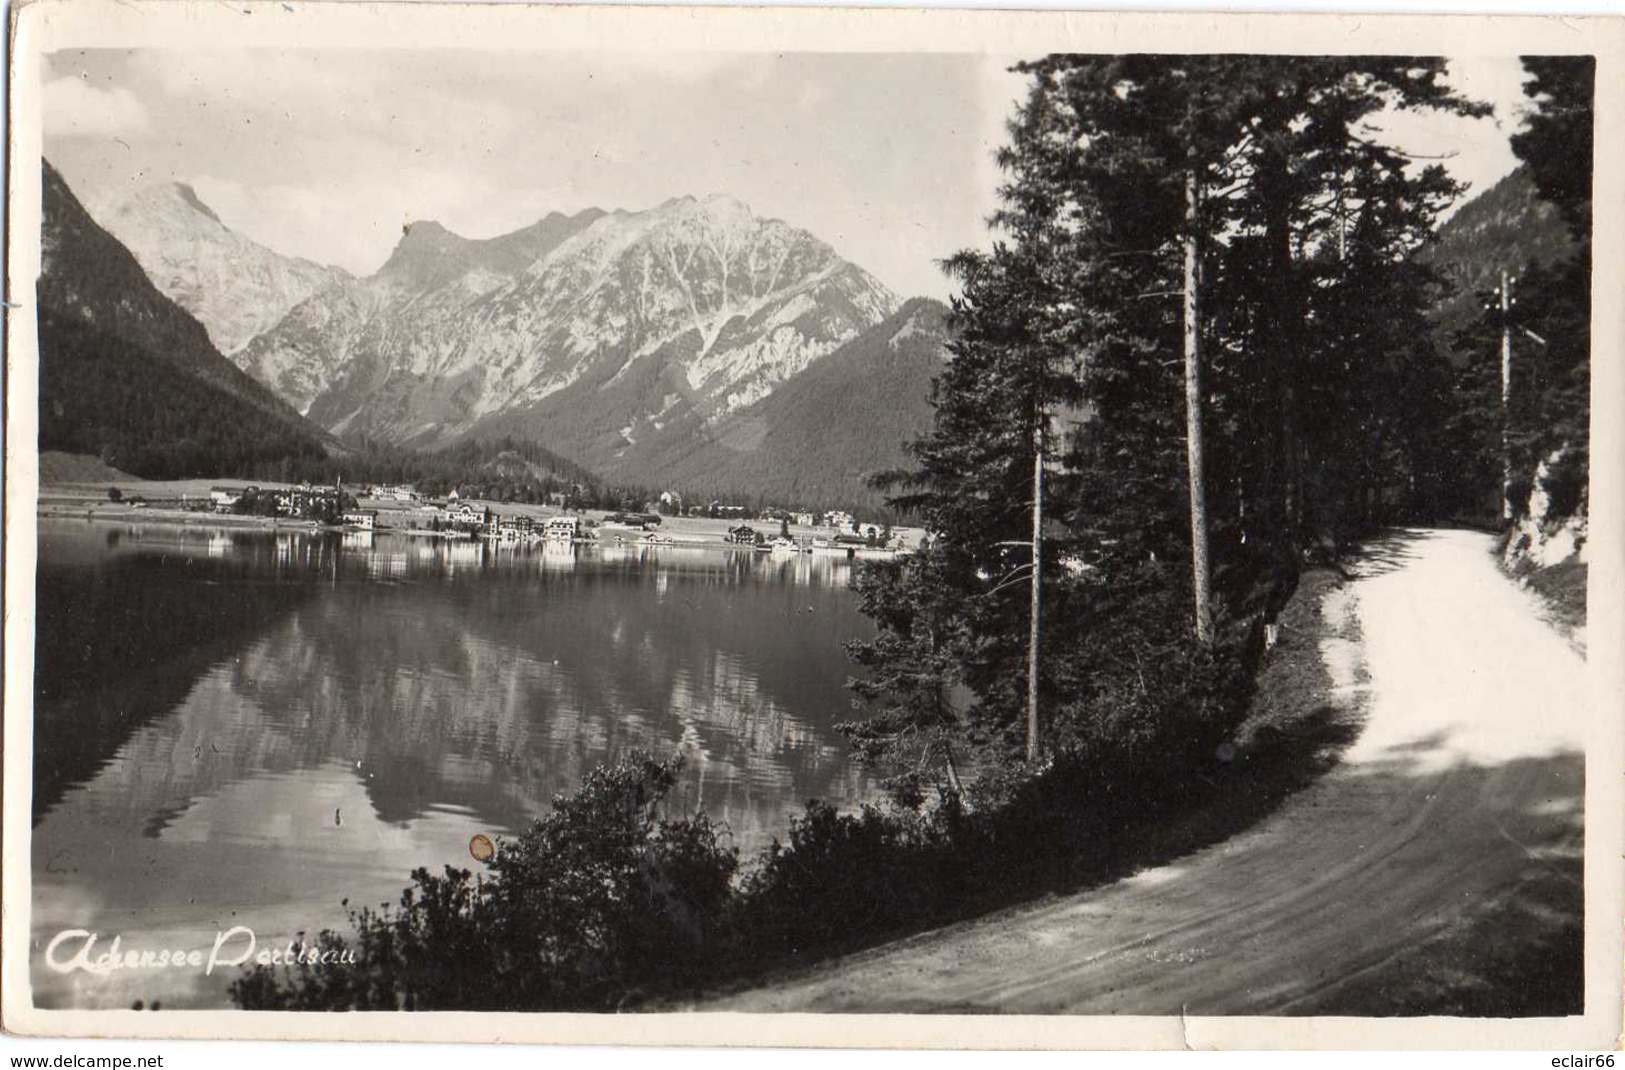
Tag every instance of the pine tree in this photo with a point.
(1184, 242)
(1558, 142)
(1551, 324)
(1280, 163)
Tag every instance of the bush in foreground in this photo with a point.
(598, 901)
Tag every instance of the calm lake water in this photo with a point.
(245, 728)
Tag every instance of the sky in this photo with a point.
(327, 154)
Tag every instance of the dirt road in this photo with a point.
(1436, 869)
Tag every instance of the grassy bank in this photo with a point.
(1561, 589)
(56, 467)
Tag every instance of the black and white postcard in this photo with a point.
(813, 526)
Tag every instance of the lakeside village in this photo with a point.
(401, 509)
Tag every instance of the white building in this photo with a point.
(466, 514)
(562, 528)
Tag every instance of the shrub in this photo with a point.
(845, 880)
(599, 900)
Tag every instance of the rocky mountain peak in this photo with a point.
(425, 230)
(720, 205)
(123, 366)
(426, 253)
(234, 286)
(429, 255)
(176, 202)
(189, 197)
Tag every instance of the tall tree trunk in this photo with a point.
(1287, 322)
(1506, 399)
(1038, 589)
(1281, 331)
(1201, 590)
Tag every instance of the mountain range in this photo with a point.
(128, 375)
(644, 345)
(585, 331)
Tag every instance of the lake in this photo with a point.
(245, 728)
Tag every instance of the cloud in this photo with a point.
(75, 108)
(355, 223)
(1496, 79)
(1474, 150)
(325, 153)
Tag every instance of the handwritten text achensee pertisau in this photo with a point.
(74, 950)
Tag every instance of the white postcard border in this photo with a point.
(47, 25)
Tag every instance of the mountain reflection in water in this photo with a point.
(245, 728)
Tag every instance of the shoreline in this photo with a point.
(114, 513)
(118, 513)
(90, 504)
